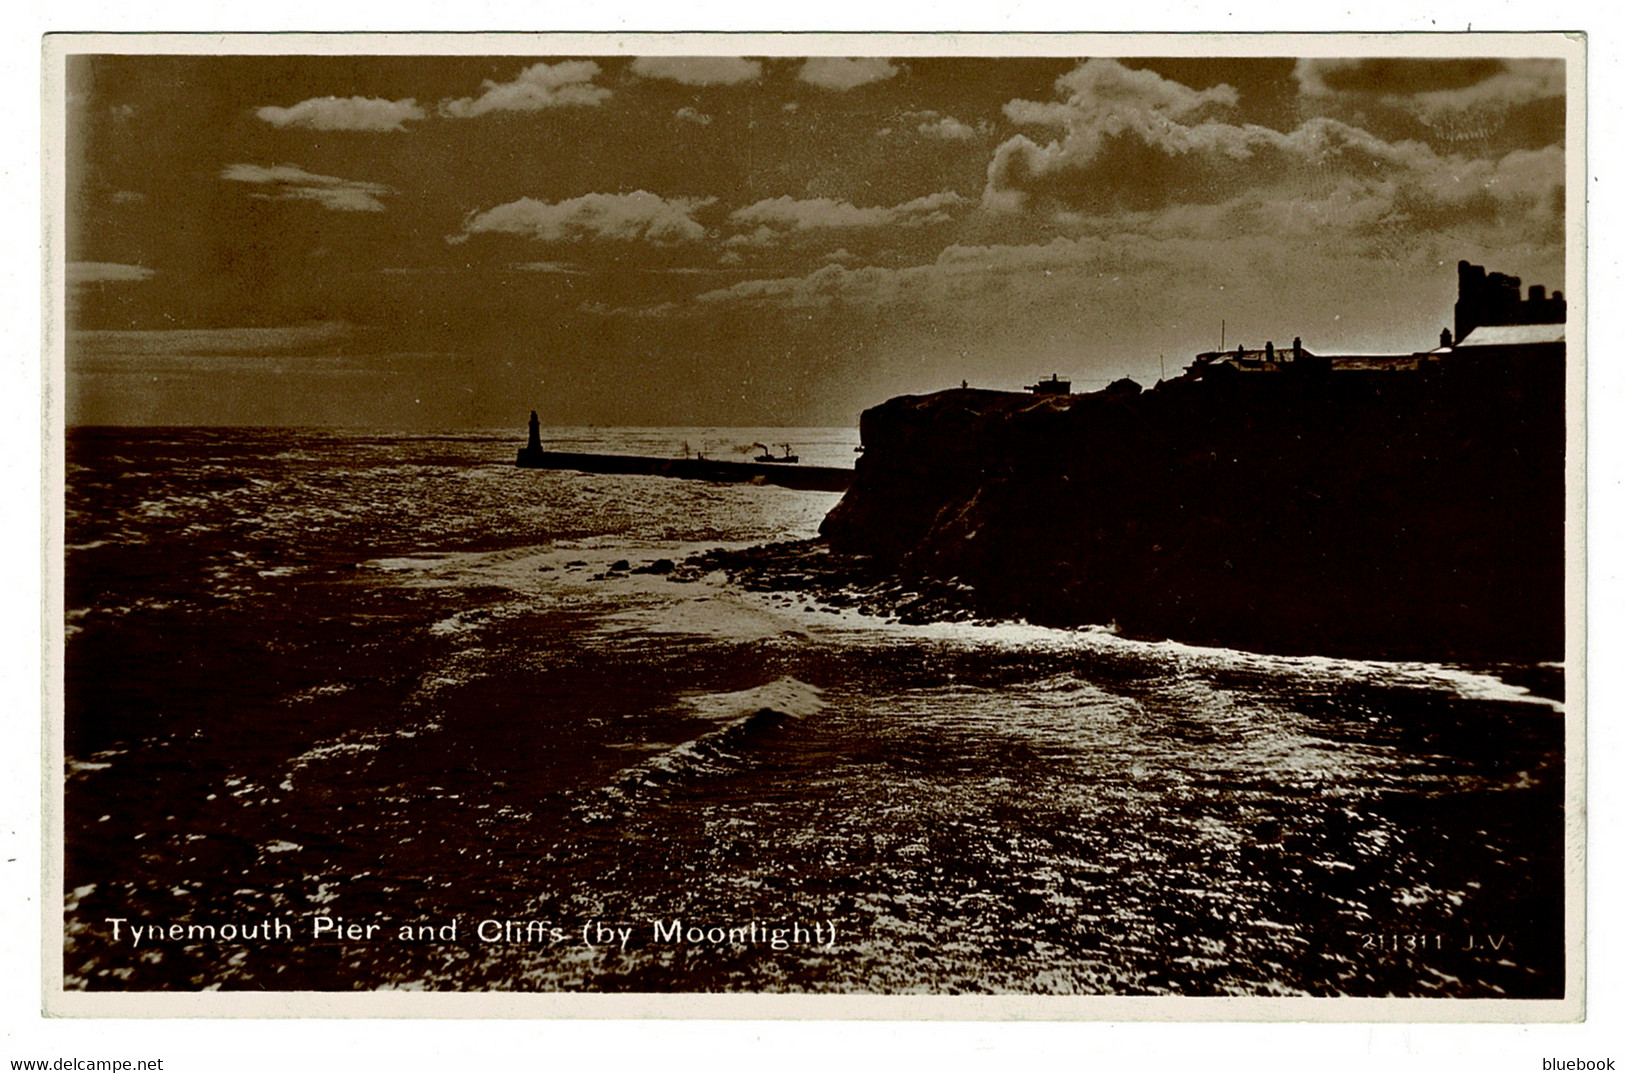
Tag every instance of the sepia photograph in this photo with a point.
(1014, 524)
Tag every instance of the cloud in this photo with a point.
(958, 274)
(693, 115)
(776, 218)
(698, 70)
(81, 272)
(946, 127)
(1221, 163)
(1133, 141)
(318, 337)
(550, 268)
(1431, 88)
(1516, 200)
(1108, 109)
(290, 183)
(1104, 99)
(816, 289)
(539, 86)
(344, 113)
(834, 72)
(1523, 191)
(1265, 240)
(761, 236)
(638, 216)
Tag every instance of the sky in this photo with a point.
(452, 241)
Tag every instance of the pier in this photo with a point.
(784, 474)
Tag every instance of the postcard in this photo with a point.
(816, 526)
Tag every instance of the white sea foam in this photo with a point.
(854, 627)
(458, 623)
(326, 689)
(738, 715)
(331, 749)
(787, 695)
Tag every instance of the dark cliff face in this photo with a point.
(1384, 514)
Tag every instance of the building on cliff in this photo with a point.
(1493, 300)
(1494, 322)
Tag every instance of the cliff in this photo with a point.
(1385, 514)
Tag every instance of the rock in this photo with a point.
(659, 566)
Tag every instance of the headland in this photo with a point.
(1407, 506)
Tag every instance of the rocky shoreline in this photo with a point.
(811, 569)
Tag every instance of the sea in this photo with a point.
(362, 711)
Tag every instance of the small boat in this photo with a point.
(769, 456)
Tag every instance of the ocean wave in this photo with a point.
(742, 716)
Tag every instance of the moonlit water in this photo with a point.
(393, 679)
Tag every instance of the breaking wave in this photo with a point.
(743, 718)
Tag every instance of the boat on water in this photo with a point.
(769, 456)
